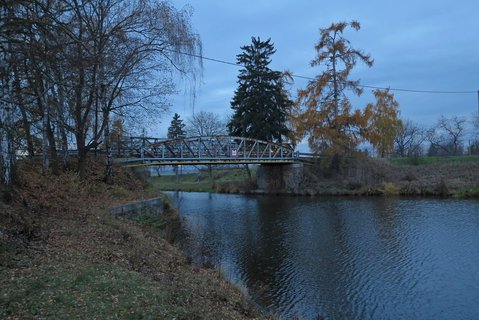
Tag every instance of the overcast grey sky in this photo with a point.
(419, 45)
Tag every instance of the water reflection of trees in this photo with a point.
(289, 263)
(317, 251)
(338, 257)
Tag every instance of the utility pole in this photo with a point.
(478, 104)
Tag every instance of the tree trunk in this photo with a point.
(28, 131)
(61, 127)
(7, 149)
(6, 144)
(82, 154)
(45, 153)
(25, 121)
(52, 146)
(45, 123)
(64, 145)
(108, 159)
(336, 92)
(95, 126)
(82, 164)
(6, 164)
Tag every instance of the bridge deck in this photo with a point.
(134, 162)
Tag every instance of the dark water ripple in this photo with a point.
(342, 258)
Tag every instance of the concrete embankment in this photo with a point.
(153, 207)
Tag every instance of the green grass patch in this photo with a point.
(157, 224)
(200, 182)
(167, 225)
(101, 291)
(467, 193)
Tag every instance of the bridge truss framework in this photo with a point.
(137, 151)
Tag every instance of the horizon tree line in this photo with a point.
(72, 69)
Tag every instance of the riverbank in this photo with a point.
(64, 255)
(429, 176)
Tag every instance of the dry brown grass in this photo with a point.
(369, 176)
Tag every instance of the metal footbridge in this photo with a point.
(137, 151)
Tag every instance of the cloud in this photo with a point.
(425, 45)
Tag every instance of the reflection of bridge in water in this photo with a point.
(136, 151)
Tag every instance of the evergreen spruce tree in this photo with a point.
(261, 104)
(176, 130)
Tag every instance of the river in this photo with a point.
(341, 258)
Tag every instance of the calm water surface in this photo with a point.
(341, 258)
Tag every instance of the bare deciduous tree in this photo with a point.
(205, 123)
(475, 122)
(409, 139)
(473, 147)
(447, 136)
(81, 61)
(7, 107)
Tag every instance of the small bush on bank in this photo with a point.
(466, 193)
(390, 189)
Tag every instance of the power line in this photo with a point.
(310, 78)
(420, 91)
(205, 58)
(215, 60)
(399, 89)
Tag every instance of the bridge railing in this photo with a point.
(214, 147)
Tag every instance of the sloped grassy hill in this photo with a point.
(62, 255)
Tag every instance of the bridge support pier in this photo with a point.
(279, 177)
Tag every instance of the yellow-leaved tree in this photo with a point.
(384, 123)
(323, 112)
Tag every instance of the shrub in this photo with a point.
(390, 189)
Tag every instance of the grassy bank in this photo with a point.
(63, 255)
(224, 180)
(425, 176)
(431, 161)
